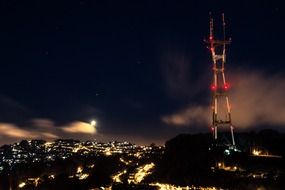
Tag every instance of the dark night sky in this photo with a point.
(127, 63)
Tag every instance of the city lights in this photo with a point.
(164, 186)
(79, 170)
(256, 152)
(22, 184)
(117, 177)
(141, 173)
(83, 176)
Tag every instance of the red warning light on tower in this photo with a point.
(226, 86)
(219, 85)
(213, 87)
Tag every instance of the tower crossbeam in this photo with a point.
(220, 87)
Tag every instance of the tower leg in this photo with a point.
(216, 133)
(233, 138)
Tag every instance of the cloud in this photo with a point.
(47, 130)
(47, 135)
(44, 129)
(10, 130)
(42, 123)
(79, 127)
(188, 116)
(256, 99)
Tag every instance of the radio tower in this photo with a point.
(221, 110)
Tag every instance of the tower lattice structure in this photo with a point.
(221, 110)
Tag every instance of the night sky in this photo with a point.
(139, 68)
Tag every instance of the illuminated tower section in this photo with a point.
(221, 110)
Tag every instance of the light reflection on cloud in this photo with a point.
(44, 129)
(256, 99)
(79, 127)
(10, 130)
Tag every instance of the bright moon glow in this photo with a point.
(93, 123)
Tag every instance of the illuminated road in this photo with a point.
(141, 173)
(117, 177)
(163, 186)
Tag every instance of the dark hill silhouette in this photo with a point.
(187, 159)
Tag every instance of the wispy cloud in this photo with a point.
(188, 116)
(256, 99)
(17, 122)
(79, 127)
(11, 130)
(44, 129)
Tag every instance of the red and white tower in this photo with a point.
(221, 110)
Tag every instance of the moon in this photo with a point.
(93, 123)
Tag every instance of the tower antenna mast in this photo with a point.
(221, 110)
